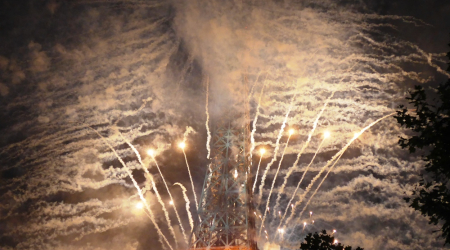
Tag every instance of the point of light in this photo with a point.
(262, 151)
(235, 173)
(334, 230)
(292, 205)
(280, 230)
(335, 241)
(151, 152)
(355, 135)
(326, 134)
(310, 213)
(313, 222)
(182, 145)
(304, 223)
(291, 131)
(139, 205)
(171, 202)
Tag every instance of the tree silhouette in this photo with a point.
(431, 133)
(323, 241)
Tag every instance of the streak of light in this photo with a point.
(158, 196)
(182, 145)
(291, 131)
(171, 198)
(262, 151)
(334, 159)
(208, 138)
(255, 120)
(298, 184)
(141, 196)
(186, 199)
(293, 167)
(277, 146)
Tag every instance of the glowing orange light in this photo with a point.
(326, 134)
(262, 151)
(151, 152)
(291, 131)
(182, 145)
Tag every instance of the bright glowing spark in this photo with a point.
(275, 177)
(294, 166)
(335, 241)
(326, 134)
(291, 132)
(144, 201)
(334, 230)
(334, 159)
(171, 199)
(298, 184)
(310, 213)
(182, 145)
(275, 152)
(262, 151)
(151, 152)
(139, 205)
(235, 173)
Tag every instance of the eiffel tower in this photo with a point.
(226, 213)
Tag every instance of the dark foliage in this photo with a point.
(323, 241)
(430, 124)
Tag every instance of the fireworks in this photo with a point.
(139, 205)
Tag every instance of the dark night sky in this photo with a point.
(139, 68)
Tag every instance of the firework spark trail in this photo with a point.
(252, 134)
(343, 150)
(254, 84)
(186, 199)
(166, 213)
(187, 132)
(298, 185)
(336, 156)
(256, 176)
(136, 185)
(171, 198)
(293, 167)
(277, 146)
(273, 184)
(208, 139)
(192, 182)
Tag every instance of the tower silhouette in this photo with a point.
(226, 213)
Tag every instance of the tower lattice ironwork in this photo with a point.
(225, 211)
